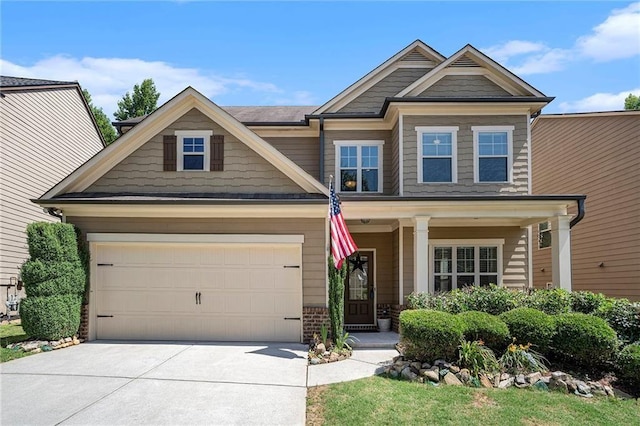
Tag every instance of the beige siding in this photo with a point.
(394, 166)
(245, 171)
(464, 86)
(372, 99)
(598, 156)
(465, 183)
(305, 152)
(44, 135)
(313, 249)
(383, 245)
(358, 135)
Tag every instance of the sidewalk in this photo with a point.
(363, 363)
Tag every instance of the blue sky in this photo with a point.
(586, 54)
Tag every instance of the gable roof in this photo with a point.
(180, 104)
(417, 47)
(7, 81)
(467, 57)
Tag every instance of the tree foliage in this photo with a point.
(103, 122)
(336, 298)
(632, 102)
(143, 101)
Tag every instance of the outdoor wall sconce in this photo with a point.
(601, 265)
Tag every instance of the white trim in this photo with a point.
(476, 155)
(529, 156)
(421, 266)
(359, 144)
(205, 135)
(530, 256)
(368, 229)
(101, 237)
(453, 130)
(476, 244)
(93, 284)
(401, 264)
(401, 155)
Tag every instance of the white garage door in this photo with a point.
(196, 291)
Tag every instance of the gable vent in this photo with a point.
(464, 61)
(415, 56)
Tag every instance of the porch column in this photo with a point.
(561, 251)
(421, 254)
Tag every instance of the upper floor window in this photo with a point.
(359, 165)
(493, 153)
(437, 154)
(193, 148)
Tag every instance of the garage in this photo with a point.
(196, 287)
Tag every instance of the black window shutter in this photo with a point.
(170, 148)
(217, 153)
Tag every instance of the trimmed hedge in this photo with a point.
(51, 317)
(52, 241)
(486, 327)
(623, 316)
(553, 302)
(528, 325)
(429, 335)
(586, 302)
(628, 362)
(585, 338)
(51, 278)
(493, 300)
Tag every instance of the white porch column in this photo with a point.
(561, 251)
(421, 254)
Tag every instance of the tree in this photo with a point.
(632, 102)
(143, 101)
(103, 122)
(336, 298)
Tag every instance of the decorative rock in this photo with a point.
(46, 348)
(506, 383)
(68, 339)
(599, 392)
(546, 379)
(35, 351)
(333, 357)
(439, 362)
(465, 376)
(426, 365)
(394, 374)
(485, 382)
(416, 366)
(27, 347)
(443, 372)
(452, 380)
(559, 375)
(559, 385)
(571, 386)
(504, 376)
(454, 369)
(584, 395)
(582, 387)
(433, 376)
(520, 380)
(408, 374)
(541, 385)
(320, 348)
(314, 361)
(609, 391)
(534, 377)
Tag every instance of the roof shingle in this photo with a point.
(6, 81)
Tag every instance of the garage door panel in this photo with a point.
(245, 292)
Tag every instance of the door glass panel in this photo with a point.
(359, 278)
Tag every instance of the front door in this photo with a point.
(358, 289)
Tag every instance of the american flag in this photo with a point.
(342, 244)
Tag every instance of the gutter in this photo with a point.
(580, 215)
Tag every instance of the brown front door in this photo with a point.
(358, 289)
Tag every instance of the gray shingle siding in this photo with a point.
(464, 86)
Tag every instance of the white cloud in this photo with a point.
(301, 97)
(598, 102)
(525, 57)
(616, 38)
(504, 52)
(550, 60)
(108, 79)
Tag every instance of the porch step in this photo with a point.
(375, 340)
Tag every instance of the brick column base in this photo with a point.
(83, 331)
(312, 320)
(395, 317)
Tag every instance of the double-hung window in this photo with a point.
(493, 153)
(437, 154)
(544, 235)
(359, 166)
(193, 150)
(465, 263)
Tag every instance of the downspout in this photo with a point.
(580, 215)
(321, 163)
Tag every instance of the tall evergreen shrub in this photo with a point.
(336, 298)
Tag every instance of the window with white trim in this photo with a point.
(437, 154)
(359, 166)
(544, 235)
(193, 148)
(493, 153)
(463, 264)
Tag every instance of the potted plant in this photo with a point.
(384, 321)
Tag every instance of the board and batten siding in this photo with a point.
(386, 288)
(453, 86)
(596, 155)
(245, 171)
(44, 136)
(313, 248)
(303, 151)
(358, 135)
(465, 184)
(372, 99)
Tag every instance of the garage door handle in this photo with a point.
(105, 316)
(292, 266)
(292, 318)
(198, 298)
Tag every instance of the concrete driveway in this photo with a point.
(116, 383)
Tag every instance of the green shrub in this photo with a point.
(493, 300)
(623, 316)
(521, 359)
(50, 278)
(553, 302)
(477, 358)
(486, 327)
(586, 302)
(628, 363)
(452, 302)
(429, 335)
(52, 241)
(52, 317)
(528, 325)
(585, 338)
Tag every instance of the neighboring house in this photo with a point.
(210, 223)
(46, 132)
(597, 154)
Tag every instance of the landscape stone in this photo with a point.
(408, 374)
(464, 376)
(571, 386)
(439, 362)
(454, 369)
(444, 372)
(534, 377)
(582, 387)
(520, 380)
(320, 349)
(541, 385)
(584, 395)
(485, 382)
(451, 379)
(609, 390)
(559, 385)
(426, 365)
(333, 357)
(394, 374)
(546, 379)
(416, 366)
(314, 361)
(433, 376)
(559, 375)
(504, 376)
(506, 383)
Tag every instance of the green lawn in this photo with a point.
(11, 333)
(381, 401)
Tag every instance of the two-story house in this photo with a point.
(211, 223)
